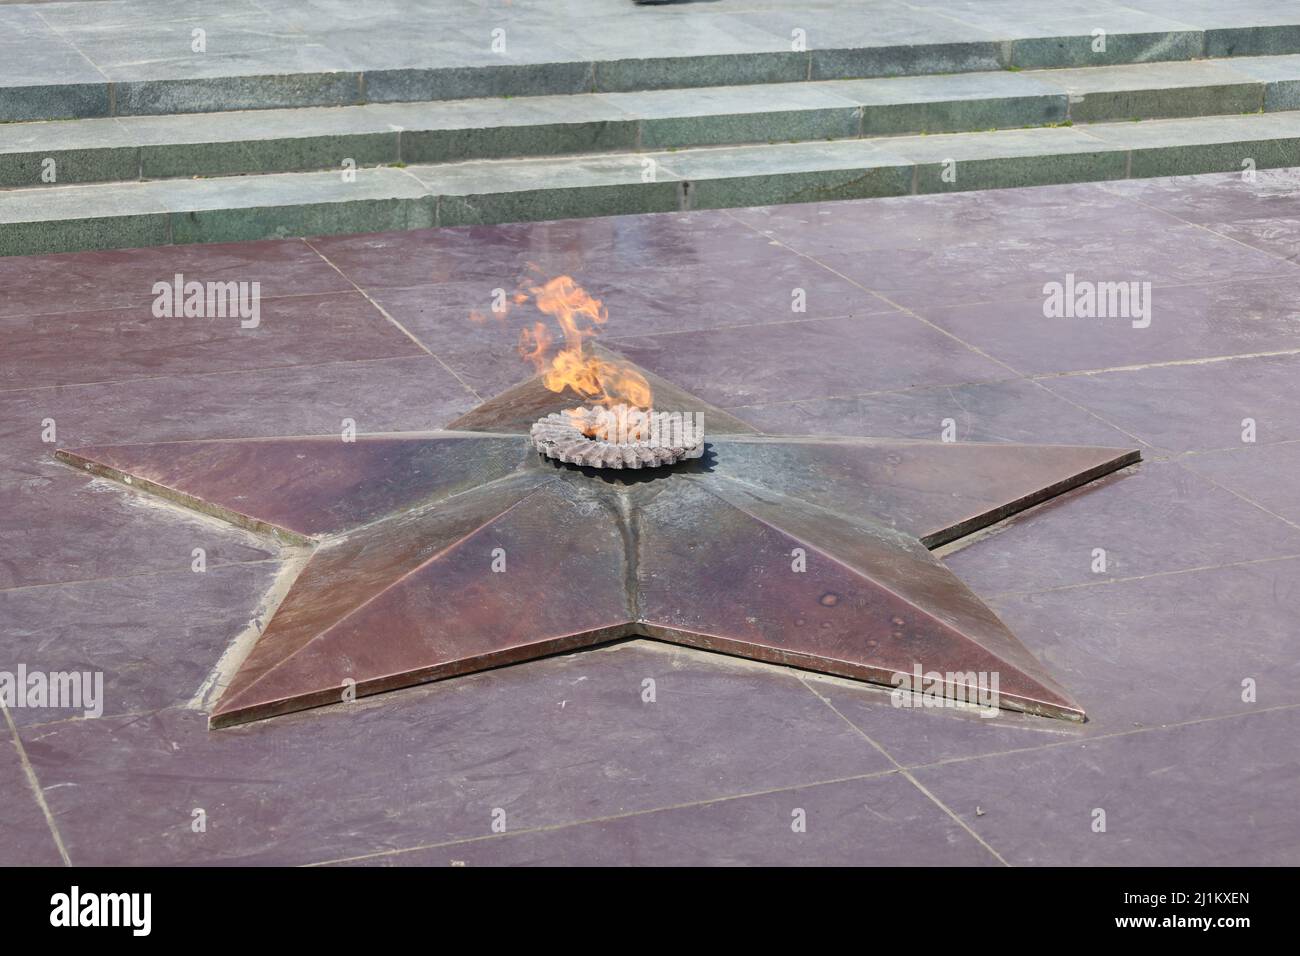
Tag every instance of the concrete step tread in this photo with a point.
(238, 125)
(603, 122)
(579, 172)
(134, 57)
(66, 218)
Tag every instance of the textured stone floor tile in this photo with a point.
(1219, 793)
(819, 358)
(1279, 237)
(134, 342)
(1195, 407)
(915, 736)
(1265, 474)
(587, 248)
(417, 394)
(158, 47)
(1135, 326)
(1216, 198)
(457, 323)
(548, 742)
(883, 821)
(1211, 13)
(72, 528)
(86, 281)
(1151, 518)
(998, 411)
(1016, 270)
(1050, 214)
(33, 53)
(25, 838)
(1167, 648)
(157, 646)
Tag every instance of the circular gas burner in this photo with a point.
(619, 437)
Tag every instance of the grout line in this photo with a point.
(384, 312)
(1192, 722)
(140, 574)
(1101, 418)
(907, 774)
(35, 784)
(1168, 363)
(234, 371)
(144, 301)
(189, 375)
(881, 296)
(978, 351)
(1193, 452)
(1222, 235)
(607, 819)
(745, 325)
(1235, 493)
(81, 53)
(1245, 562)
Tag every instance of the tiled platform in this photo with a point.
(919, 309)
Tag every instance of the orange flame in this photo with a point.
(575, 366)
(534, 344)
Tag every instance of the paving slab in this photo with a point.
(118, 278)
(1198, 406)
(498, 740)
(898, 824)
(120, 532)
(307, 400)
(138, 342)
(61, 628)
(1015, 410)
(1039, 807)
(1261, 474)
(993, 294)
(813, 359)
(1187, 321)
(1151, 650)
(27, 839)
(1202, 526)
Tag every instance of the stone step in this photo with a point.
(294, 140)
(146, 57)
(116, 215)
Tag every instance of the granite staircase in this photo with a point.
(241, 151)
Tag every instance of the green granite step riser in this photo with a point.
(155, 97)
(305, 153)
(374, 215)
